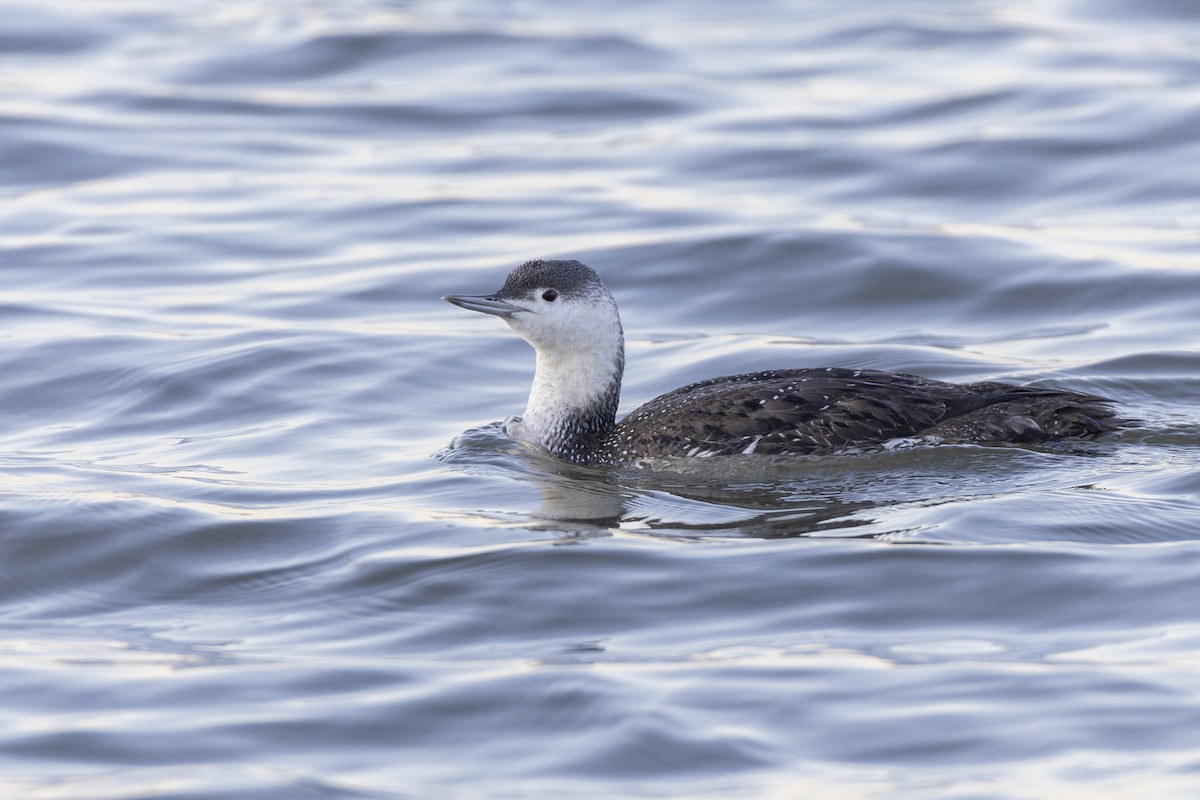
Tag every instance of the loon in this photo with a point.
(564, 311)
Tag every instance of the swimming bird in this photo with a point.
(564, 311)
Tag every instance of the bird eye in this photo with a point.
(549, 295)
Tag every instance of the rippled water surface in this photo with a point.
(261, 538)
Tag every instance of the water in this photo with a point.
(261, 539)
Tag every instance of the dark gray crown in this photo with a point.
(568, 277)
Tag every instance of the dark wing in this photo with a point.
(1027, 414)
(834, 410)
(786, 411)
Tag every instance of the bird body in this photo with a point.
(563, 310)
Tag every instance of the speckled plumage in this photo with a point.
(833, 410)
(564, 311)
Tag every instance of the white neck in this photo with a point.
(564, 385)
(573, 403)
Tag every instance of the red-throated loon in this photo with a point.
(564, 311)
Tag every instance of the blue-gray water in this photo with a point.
(260, 540)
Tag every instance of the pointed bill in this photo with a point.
(487, 305)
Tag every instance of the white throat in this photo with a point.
(572, 404)
(567, 385)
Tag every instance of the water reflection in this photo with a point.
(892, 495)
(225, 228)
